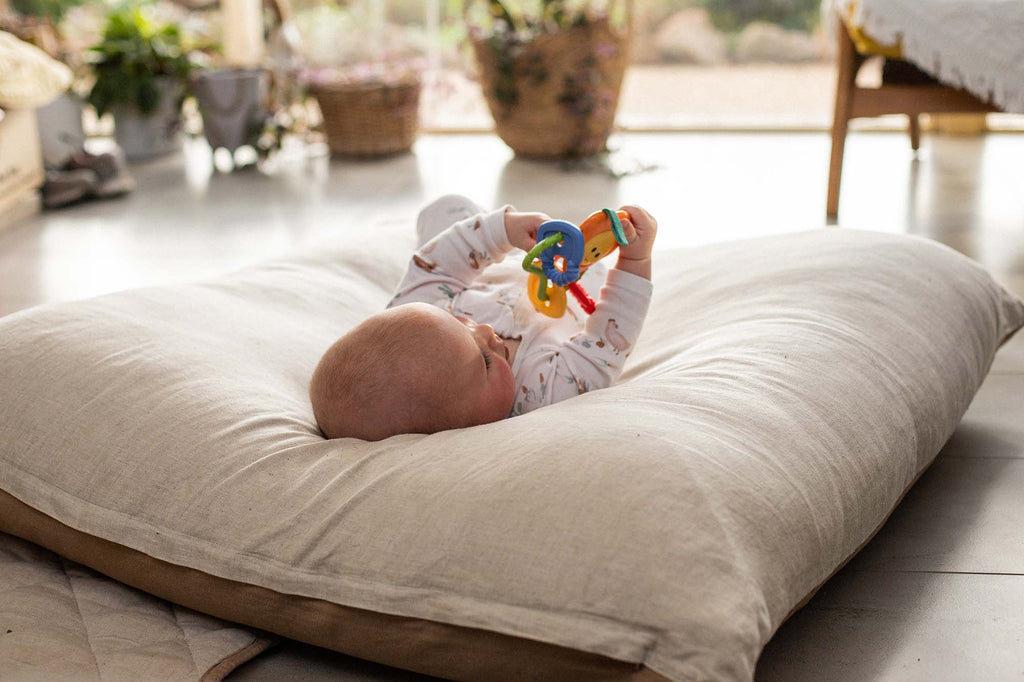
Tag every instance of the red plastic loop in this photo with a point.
(581, 295)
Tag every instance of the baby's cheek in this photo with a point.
(510, 388)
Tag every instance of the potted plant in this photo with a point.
(232, 91)
(142, 71)
(365, 77)
(552, 77)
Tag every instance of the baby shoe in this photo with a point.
(63, 187)
(111, 169)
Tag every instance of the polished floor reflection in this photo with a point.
(189, 221)
(937, 595)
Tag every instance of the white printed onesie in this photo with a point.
(558, 358)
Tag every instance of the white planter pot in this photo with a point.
(60, 129)
(144, 137)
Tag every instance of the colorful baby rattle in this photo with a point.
(564, 252)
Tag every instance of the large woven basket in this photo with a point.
(369, 119)
(556, 96)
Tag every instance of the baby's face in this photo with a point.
(478, 367)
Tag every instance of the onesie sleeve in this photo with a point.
(447, 264)
(592, 358)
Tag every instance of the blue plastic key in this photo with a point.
(570, 248)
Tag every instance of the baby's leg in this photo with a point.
(441, 214)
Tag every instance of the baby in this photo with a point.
(452, 351)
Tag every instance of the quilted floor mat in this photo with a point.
(62, 621)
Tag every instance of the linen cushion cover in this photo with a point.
(784, 395)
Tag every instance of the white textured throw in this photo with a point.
(977, 45)
(29, 77)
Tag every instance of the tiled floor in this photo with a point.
(937, 595)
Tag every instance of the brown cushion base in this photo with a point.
(420, 645)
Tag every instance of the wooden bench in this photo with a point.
(904, 90)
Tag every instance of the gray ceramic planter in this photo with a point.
(233, 105)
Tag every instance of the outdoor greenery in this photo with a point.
(733, 15)
(412, 11)
(133, 55)
(727, 15)
(53, 10)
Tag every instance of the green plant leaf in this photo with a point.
(131, 55)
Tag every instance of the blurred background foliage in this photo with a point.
(727, 15)
(734, 15)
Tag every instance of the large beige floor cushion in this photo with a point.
(784, 395)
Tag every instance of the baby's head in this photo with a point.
(411, 369)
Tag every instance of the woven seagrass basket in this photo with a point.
(556, 95)
(369, 119)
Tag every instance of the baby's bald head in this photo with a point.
(410, 369)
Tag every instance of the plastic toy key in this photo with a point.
(564, 252)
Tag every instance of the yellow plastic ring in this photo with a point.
(555, 305)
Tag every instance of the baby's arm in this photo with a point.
(450, 262)
(594, 358)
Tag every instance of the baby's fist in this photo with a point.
(521, 228)
(641, 230)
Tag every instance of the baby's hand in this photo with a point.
(521, 228)
(641, 230)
